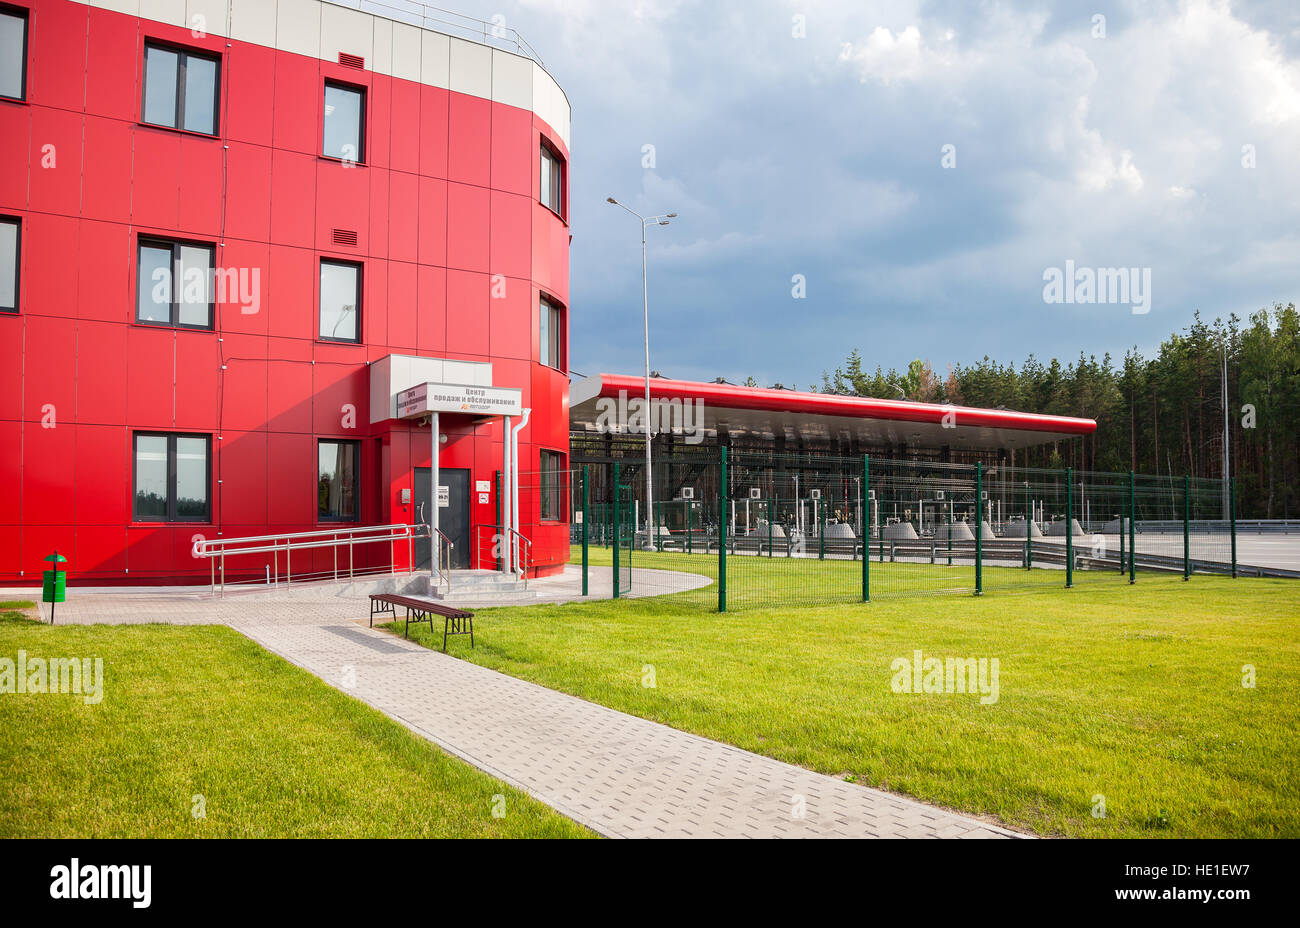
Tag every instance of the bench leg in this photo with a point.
(471, 631)
(445, 622)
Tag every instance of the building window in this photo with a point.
(340, 301)
(173, 480)
(345, 123)
(13, 54)
(552, 334)
(553, 482)
(10, 240)
(181, 89)
(339, 485)
(552, 182)
(174, 284)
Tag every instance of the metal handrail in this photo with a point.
(417, 13)
(521, 571)
(444, 556)
(216, 549)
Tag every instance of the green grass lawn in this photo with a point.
(203, 711)
(1133, 694)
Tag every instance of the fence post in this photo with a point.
(722, 534)
(821, 529)
(1122, 562)
(1187, 526)
(1069, 527)
(770, 517)
(1132, 528)
(690, 545)
(864, 525)
(979, 520)
(949, 508)
(1232, 518)
(1029, 529)
(615, 529)
(586, 522)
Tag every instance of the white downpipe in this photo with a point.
(435, 541)
(514, 482)
(503, 542)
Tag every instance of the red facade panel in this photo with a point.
(57, 75)
(55, 161)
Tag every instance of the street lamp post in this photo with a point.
(645, 314)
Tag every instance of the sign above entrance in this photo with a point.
(459, 398)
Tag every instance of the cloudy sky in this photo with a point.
(809, 138)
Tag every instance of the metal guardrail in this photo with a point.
(415, 13)
(445, 545)
(488, 539)
(216, 550)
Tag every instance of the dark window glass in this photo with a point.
(551, 336)
(191, 493)
(174, 284)
(553, 481)
(172, 478)
(339, 484)
(13, 55)
(151, 478)
(552, 183)
(180, 89)
(340, 301)
(9, 238)
(344, 123)
(200, 110)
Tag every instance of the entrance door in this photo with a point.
(453, 518)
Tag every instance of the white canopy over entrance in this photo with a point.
(412, 388)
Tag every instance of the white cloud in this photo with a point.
(822, 155)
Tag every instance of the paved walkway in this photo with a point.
(618, 774)
(196, 605)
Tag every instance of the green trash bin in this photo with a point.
(55, 588)
(54, 585)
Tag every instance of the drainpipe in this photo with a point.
(514, 480)
(504, 490)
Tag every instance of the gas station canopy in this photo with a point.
(600, 403)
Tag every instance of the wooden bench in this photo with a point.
(456, 621)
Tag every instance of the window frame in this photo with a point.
(361, 127)
(320, 294)
(559, 488)
(555, 329)
(170, 516)
(157, 241)
(17, 223)
(356, 480)
(559, 174)
(183, 53)
(24, 14)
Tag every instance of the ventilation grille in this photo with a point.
(351, 61)
(346, 237)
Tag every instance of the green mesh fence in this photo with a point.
(795, 528)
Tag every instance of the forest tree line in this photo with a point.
(1159, 415)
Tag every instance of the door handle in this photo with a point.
(419, 512)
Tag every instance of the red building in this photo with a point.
(226, 228)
